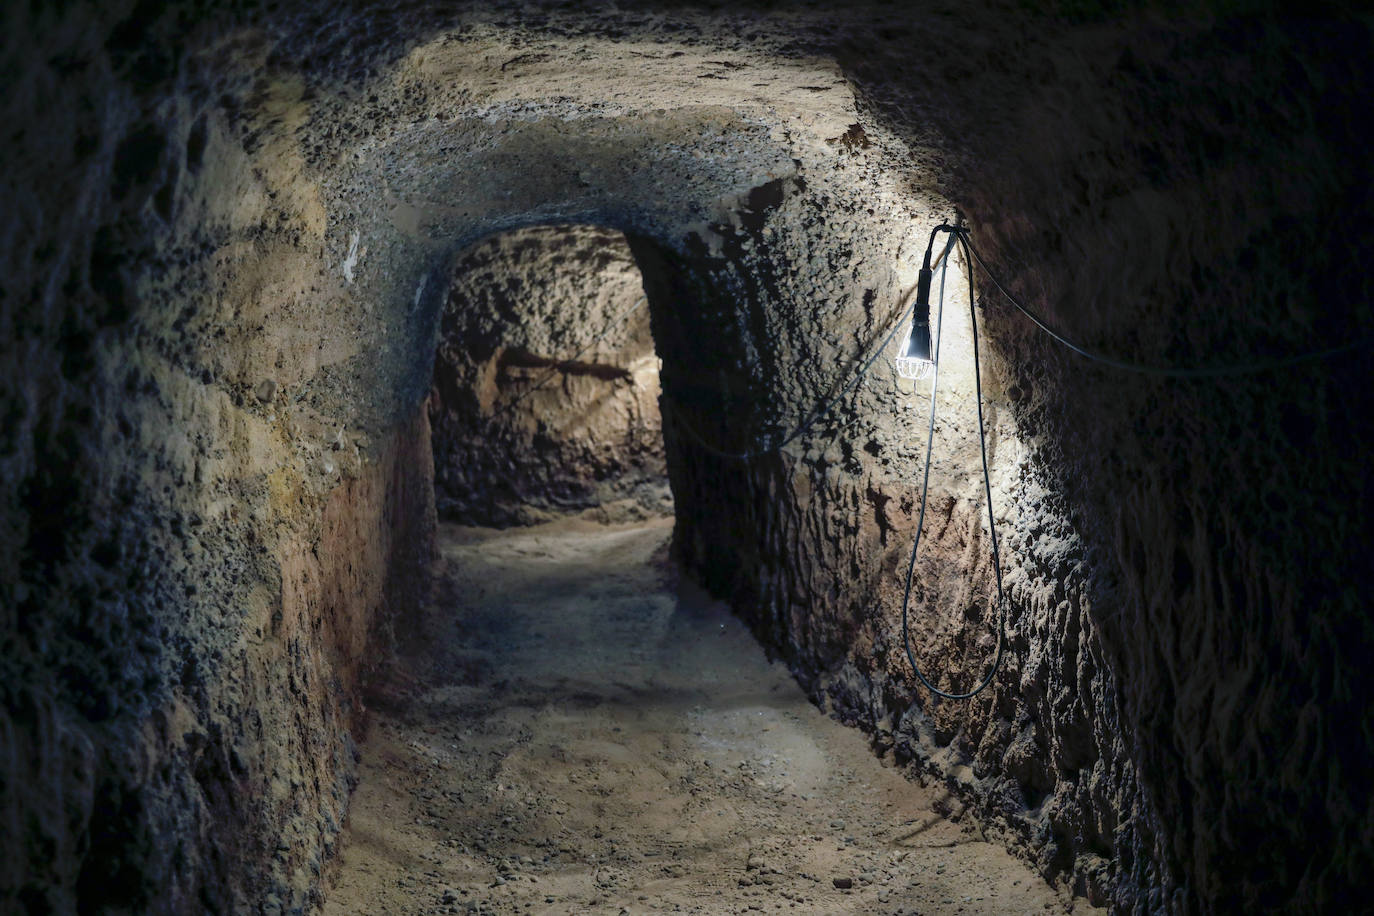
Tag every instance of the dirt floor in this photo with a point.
(579, 731)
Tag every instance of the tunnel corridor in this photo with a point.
(545, 392)
(400, 397)
(575, 729)
(569, 724)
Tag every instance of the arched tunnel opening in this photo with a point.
(569, 720)
(455, 458)
(545, 392)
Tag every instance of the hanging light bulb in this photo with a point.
(914, 359)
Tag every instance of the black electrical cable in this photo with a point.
(820, 411)
(801, 430)
(965, 241)
(961, 234)
(925, 487)
(1161, 371)
(846, 424)
(544, 380)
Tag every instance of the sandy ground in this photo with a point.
(578, 731)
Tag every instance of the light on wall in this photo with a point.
(914, 359)
(912, 352)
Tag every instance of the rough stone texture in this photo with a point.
(194, 559)
(545, 397)
(227, 242)
(1225, 520)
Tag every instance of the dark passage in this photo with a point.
(545, 395)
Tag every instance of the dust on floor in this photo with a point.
(575, 730)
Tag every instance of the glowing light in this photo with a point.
(913, 359)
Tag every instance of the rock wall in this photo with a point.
(1183, 623)
(545, 396)
(200, 552)
(1225, 588)
(1186, 194)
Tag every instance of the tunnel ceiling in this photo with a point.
(489, 129)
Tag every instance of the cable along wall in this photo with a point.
(811, 543)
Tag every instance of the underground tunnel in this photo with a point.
(484, 458)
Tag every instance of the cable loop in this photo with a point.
(1000, 611)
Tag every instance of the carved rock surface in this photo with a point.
(198, 567)
(545, 397)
